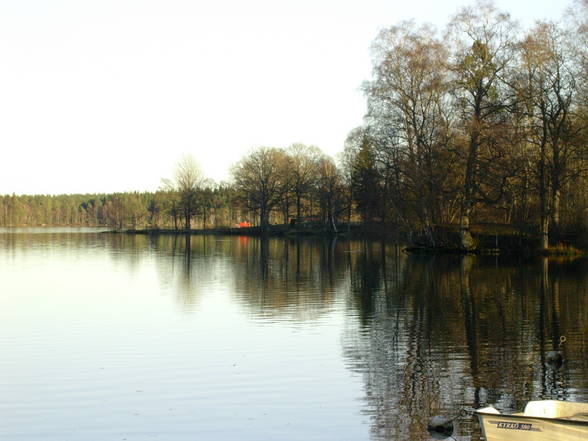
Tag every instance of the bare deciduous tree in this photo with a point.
(185, 190)
(304, 165)
(484, 40)
(263, 179)
(409, 93)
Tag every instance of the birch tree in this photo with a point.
(484, 42)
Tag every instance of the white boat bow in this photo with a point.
(546, 420)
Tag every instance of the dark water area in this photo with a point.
(112, 337)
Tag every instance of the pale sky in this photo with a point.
(107, 95)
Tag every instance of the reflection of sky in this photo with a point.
(95, 346)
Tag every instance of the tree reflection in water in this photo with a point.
(434, 334)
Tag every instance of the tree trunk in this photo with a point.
(467, 242)
(555, 210)
(332, 217)
(544, 212)
(544, 246)
(465, 235)
(264, 218)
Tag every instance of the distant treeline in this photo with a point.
(481, 123)
(118, 210)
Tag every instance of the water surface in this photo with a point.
(113, 337)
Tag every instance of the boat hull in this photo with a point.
(500, 427)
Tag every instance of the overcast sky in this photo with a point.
(104, 96)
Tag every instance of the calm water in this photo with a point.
(112, 337)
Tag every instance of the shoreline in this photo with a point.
(502, 244)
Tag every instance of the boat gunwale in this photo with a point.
(556, 419)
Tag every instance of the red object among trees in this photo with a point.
(244, 224)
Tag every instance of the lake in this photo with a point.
(123, 337)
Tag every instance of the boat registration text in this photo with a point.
(514, 426)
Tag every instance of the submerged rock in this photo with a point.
(554, 359)
(440, 427)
